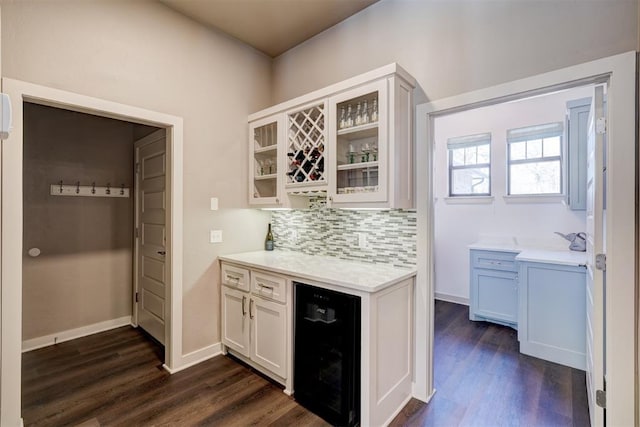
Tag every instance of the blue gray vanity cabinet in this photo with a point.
(552, 312)
(493, 296)
(577, 127)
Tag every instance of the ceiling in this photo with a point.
(271, 26)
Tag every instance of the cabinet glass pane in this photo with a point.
(357, 145)
(265, 162)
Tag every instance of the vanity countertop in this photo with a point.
(550, 252)
(361, 276)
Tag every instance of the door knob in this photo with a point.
(162, 252)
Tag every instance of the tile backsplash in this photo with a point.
(390, 234)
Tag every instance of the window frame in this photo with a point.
(476, 141)
(532, 133)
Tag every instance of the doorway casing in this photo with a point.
(12, 210)
(621, 342)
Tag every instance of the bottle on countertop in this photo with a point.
(268, 242)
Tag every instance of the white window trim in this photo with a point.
(529, 133)
(465, 142)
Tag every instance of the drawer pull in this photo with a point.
(250, 307)
(244, 299)
(262, 285)
(230, 277)
(495, 262)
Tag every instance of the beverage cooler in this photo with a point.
(327, 354)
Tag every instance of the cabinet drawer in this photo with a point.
(235, 277)
(493, 260)
(268, 286)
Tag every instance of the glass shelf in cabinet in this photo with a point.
(265, 177)
(265, 149)
(363, 165)
(363, 131)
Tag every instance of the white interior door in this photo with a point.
(595, 246)
(151, 214)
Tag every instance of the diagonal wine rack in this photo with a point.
(305, 146)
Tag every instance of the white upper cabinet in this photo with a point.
(305, 148)
(351, 142)
(264, 159)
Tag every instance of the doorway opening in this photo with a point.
(12, 225)
(79, 234)
(618, 73)
(507, 176)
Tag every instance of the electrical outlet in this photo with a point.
(214, 203)
(215, 236)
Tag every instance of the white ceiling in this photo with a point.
(271, 26)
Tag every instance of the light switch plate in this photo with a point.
(214, 203)
(215, 236)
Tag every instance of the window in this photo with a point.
(470, 165)
(535, 160)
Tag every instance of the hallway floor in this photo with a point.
(481, 379)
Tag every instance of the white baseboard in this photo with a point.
(71, 334)
(195, 357)
(452, 298)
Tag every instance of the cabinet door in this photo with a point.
(235, 320)
(306, 139)
(358, 144)
(264, 182)
(495, 295)
(577, 127)
(268, 335)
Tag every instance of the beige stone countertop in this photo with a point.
(361, 276)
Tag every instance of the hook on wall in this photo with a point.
(60, 189)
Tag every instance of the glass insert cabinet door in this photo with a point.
(263, 161)
(358, 144)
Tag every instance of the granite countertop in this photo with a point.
(552, 251)
(361, 276)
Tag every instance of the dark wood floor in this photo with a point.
(481, 379)
(116, 378)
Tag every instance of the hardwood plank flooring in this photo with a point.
(115, 378)
(481, 379)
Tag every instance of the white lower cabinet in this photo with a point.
(268, 335)
(255, 324)
(235, 321)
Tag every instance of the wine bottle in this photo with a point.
(268, 242)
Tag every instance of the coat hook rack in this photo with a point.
(61, 189)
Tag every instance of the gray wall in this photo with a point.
(84, 273)
(143, 54)
(456, 46)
